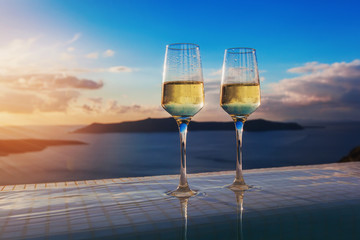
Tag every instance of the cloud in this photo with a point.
(42, 92)
(74, 82)
(22, 43)
(139, 109)
(309, 67)
(120, 109)
(14, 102)
(108, 53)
(16, 54)
(216, 72)
(38, 82)
(93, 55)
(116, 69)
(74, 38)
(66, 56)
(57, 101)
(111, 106)
(29, 102)
(32, 56)
(98, 100)
(87, 108)
(322, 92)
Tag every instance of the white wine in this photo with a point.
(183, 98)
(240, 99)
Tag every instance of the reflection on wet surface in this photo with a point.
(239, 213)
(310, 202)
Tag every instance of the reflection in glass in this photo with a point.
(182, 97)
(240, 96)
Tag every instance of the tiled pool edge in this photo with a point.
(32, 186)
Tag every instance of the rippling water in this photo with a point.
(144, 154)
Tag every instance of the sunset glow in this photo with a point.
(63, 62)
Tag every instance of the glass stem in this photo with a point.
(183, 125)
(239, 124)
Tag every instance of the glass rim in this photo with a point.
(246, 50)
(191, 46)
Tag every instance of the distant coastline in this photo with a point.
(14, 146)
(169, 125)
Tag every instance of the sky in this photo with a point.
(78, 62)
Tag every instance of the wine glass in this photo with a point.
(182, 97)
(240, 96)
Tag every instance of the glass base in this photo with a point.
(182, 192)
(239, 186)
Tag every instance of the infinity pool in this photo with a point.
(309, 202)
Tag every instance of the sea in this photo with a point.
(114, 155)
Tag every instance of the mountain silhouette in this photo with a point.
(169, 125)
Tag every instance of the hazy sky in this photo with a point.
(78, 62)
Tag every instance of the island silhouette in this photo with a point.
(169, 125)
(353, 156)
(13, 146)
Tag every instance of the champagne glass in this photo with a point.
(182, 97)
(240, 96)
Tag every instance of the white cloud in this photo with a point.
(74, 38)
(70, 49)
(93, 55)
(309, 67)
(116, 69)
(108, 53)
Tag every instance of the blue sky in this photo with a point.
(286, 34)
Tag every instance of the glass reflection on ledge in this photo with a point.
(239, 195)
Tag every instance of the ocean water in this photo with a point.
(145, 154)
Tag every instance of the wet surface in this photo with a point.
(310, 202)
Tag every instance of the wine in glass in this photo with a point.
(182, 96)
(239, 97)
